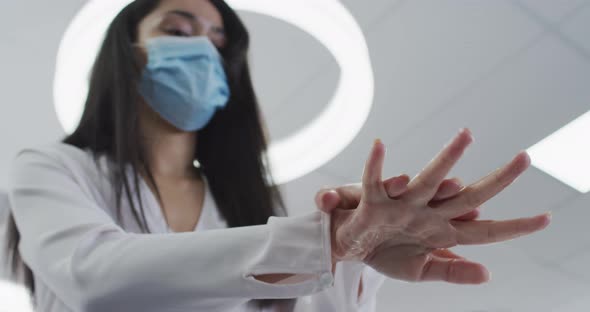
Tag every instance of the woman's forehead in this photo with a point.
(198, 8)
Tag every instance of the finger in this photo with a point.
(448, 189)
(446, 253)
(477, 194)
(426, 184)
(343, 197)
(396, 186)
(372, 182)
(348, 196)
(486, 232)
(456, 271)
(327, 200)
(470, 216)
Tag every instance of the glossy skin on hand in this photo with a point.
(406, 236)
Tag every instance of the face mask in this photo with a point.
(184, 81)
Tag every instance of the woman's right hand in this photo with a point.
(407, 239)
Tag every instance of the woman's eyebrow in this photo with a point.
(187, 15)
(190, 16)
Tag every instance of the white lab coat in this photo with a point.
(4, 211)
(82, 260)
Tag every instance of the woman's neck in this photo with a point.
(171, 155)
(170, 152)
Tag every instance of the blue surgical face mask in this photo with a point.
(184, 81)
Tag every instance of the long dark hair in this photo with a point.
(231, 149)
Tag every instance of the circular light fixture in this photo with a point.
(318, 142)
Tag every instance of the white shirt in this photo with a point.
(65, 208)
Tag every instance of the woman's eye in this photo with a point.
(177, 33)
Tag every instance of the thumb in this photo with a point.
(327, 200)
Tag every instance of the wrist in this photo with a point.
(339, 219)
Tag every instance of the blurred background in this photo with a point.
(513, 71)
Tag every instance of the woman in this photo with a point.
(108, 217)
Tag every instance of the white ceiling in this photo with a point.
(513, 71)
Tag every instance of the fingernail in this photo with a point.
(547, 221)
(470, 134)
(549, 215)
(528, 157)
(379, 143)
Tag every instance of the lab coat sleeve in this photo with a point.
(91, 264)
(344, 296)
